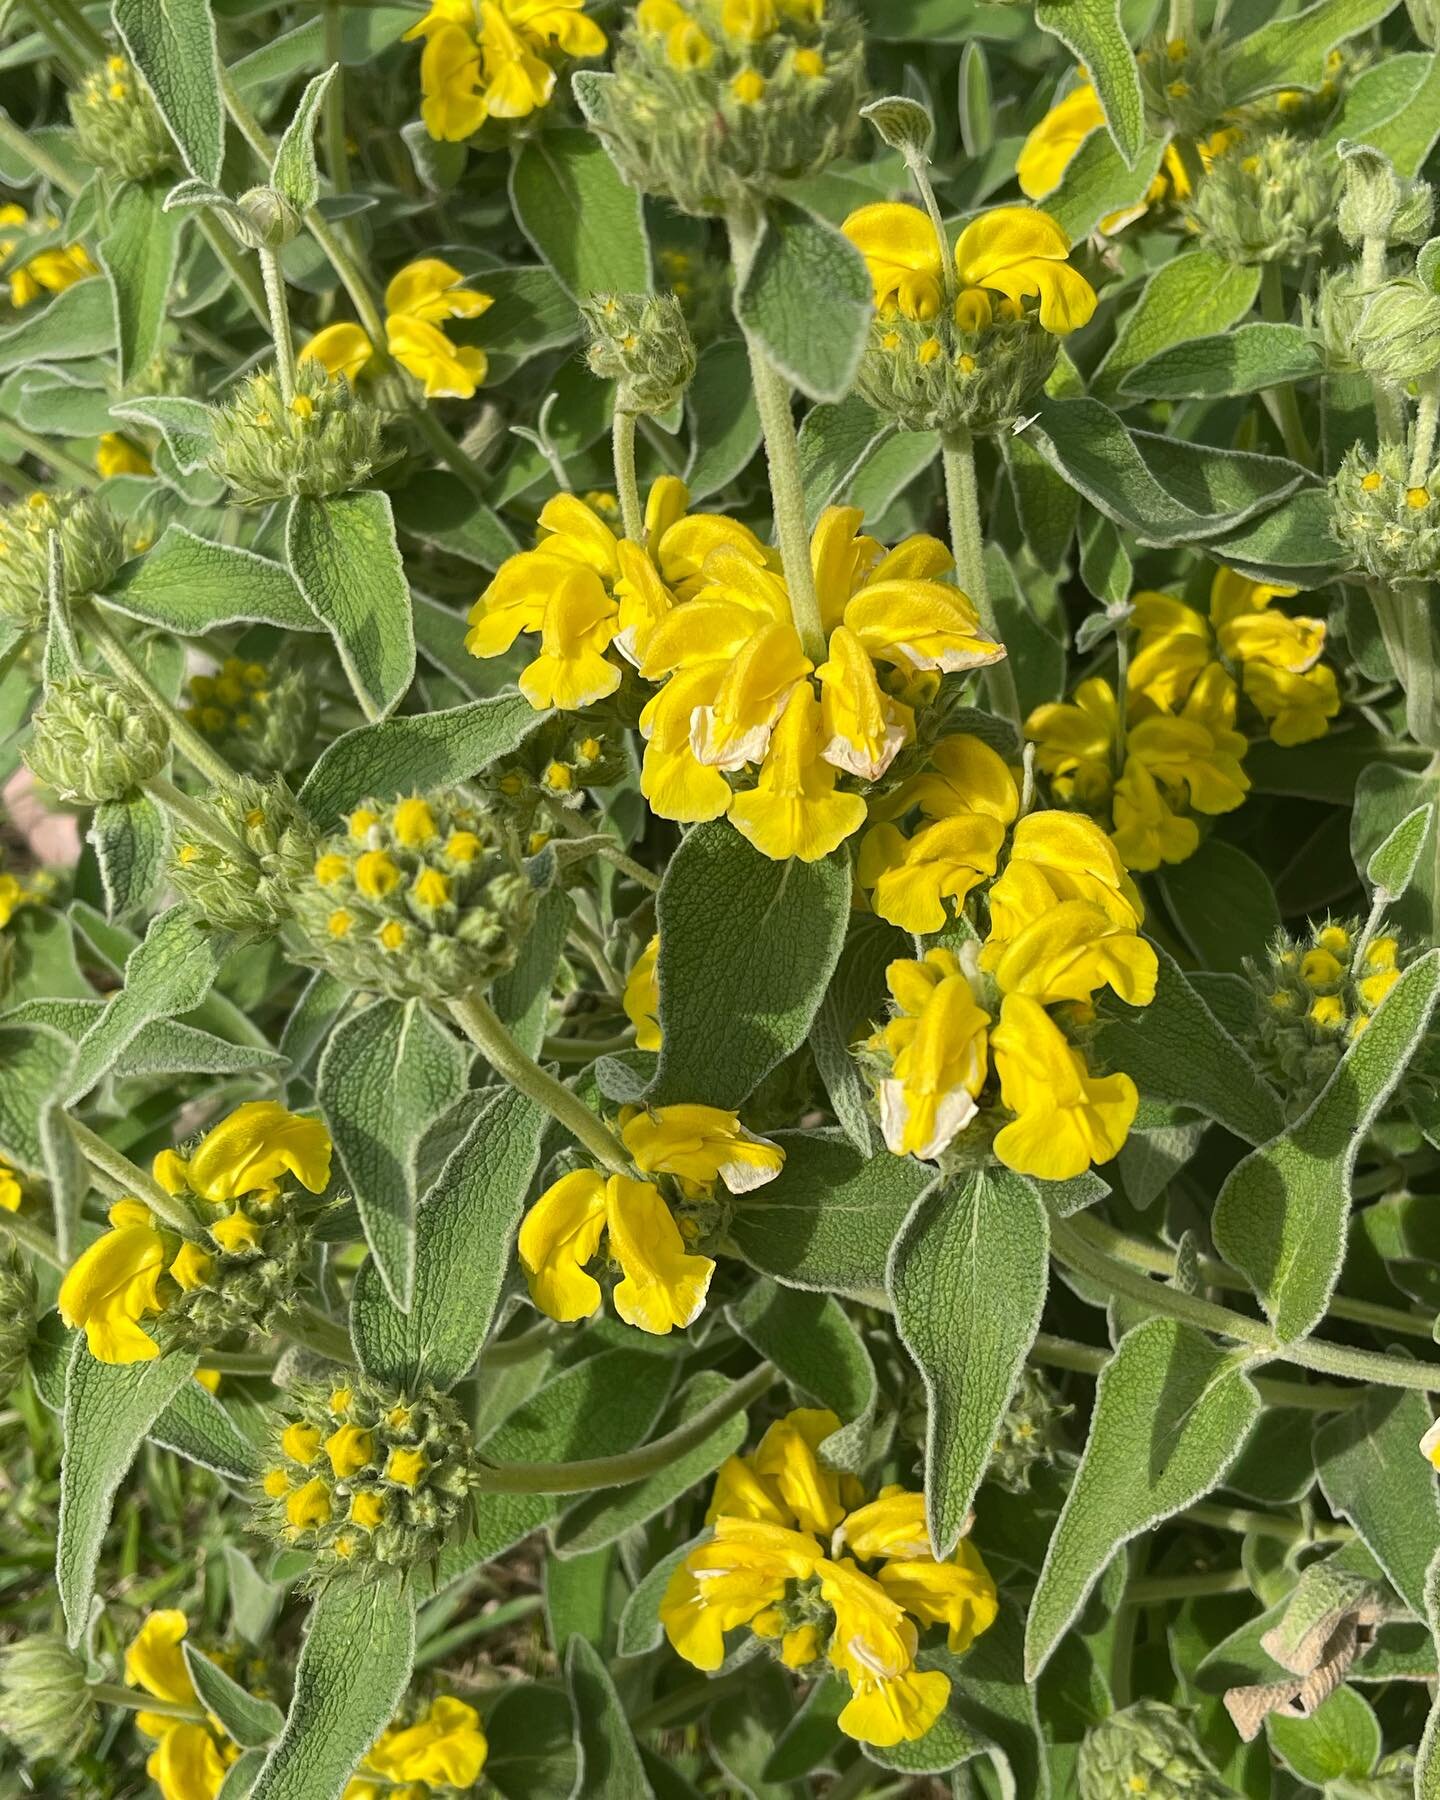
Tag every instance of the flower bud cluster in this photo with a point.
(46, 1707)
(1377, 202)
(260, 717)
(1183, 83)
(1389, 524)
(1267, 199)
(93, 740)
(326, 441)
(1030, 1434)
(251, 892)
(714, 100)
(642, 343)
(422, 898)
(361, 1474)
(92, 547)
(1316, 996)
(552, 775)
(1147, 1749)
(118, 127)
(937, 375)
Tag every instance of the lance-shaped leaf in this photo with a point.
(1291, 51)
(581, 217)
(1282, 1214)
(249, 1720)
(172, 44)
(1093, 31)
(1171, 1414)
(1373, 1473)
(807, 299)
(138, 255)
(294, 173)
(36, 1059)
(1187, 297)
(815, 1345)
(343, 555)
(1242, 361)
(129, 838)
(610, 1766)
(1392, 867)
(192, 586)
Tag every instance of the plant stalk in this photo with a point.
(278, 308)
(131, 1179)
(627, 486)
(967, 545)
(1282, 401)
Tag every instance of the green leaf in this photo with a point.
(172, 43)
(138, 254)
(241, 1776)
(1392, 867)
(994, 1698)
(968, 1277)
(1109, 574)
(580, 216)
(1241, 361)
(354, 1667)
(197, 1426)
(1098, 183)
(1409, 135)
(1048, 506)
(532, 1748)
(834, 441)
(1291, 51)
(810, 1339)
(1282, 1214)
(37, 1061)
(78, 322)
(1224, 905)
(1039, 657)
(109, 1409)
(747, 947)
(724, 425)
(249, 1720)
(191, 586)
(421, 751)
(532, 313)
(1341, 1737)
(603, 1518)
(464, 1229)
(1171, 1413)
(854, 1000)
(1372, 1473)
(1093, 32)
(169, 973)
(185, 426)
(1195, 294)
(610, 1767)
(829, 1218)
(521, 997)
(807, 300)
(343, 555)
(387, 1074)
(1176, 1050)
(129, 839)
(293, 172)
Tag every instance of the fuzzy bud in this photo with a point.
(118, 125)
(326, 441)
(270, 221)
(1267, 199)
(1389, 524)
(250, 893)
(260, 717)
(1183, 83)
(94, 740)
(715, 101)
(1030, 1434)
(423, 898)
(932, 375)
(1375, 202)
(1397, 338)
(92, 547)
(1335, 317)
(1147, 1749)
(46, 1705)
(642, 343)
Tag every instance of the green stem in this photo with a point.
(34, 1237)
(627, 486)
(478, 1021)
(631, 1465)
(967, 545)
(584, 1050)
(110, 1693)
(337, 158)
(512, 1350)
(279, 310)
(196, 817)
(1088, 1359)
(183, 735)
(457, 459)
(1284, 403)
(131, 1179)
(84, 33)
(237, 1362)
(782, 453)
(69, 53)
(1242, 1520)
(39, 158)
(317, 1331)
(581, 934)
(242, 273)
(62, 461)
(918, 164)
(1184, 1587)
(1427, 418)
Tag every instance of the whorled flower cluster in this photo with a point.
(496, 59)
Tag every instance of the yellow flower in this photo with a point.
(874, 1647)
(1171, 650)
(51, 271)
(1054, 143)
(938, 1046)
(444, 1748)
(740, 1492)
(187, 1762)
(1074, 742)
(309, 1505)
(1297, 708)
(700, 1145)
(448, 371)
(248, 1152)
(405, 1467)
(662, 1285)
(1148, 831)
(787, 1456)
(342, 349)
(641, 998)
(11, 1193)
(486, 59)
(1073, 949)
(794, 810)
(1197, 752)
(155, 1661)
(116, 455)
(1066, 1118)
(958, 1594)
(894, 1709)
(864, 728)
(114, 1284)
(750, 20)
(1057, 856)
(892, 1525)
(903, 255)
(349, 1449)
(301, 1443)
(725, 1582)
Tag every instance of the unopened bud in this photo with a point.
(272, 220)
(117, 124)
(1147, 1749)
(1397, 338)
(901, 123)
(1183, 83)
(1269, 199)
(247, 892)
(92, 547)
(46, 1705)
(1388, 523)
(642, 343)
(93, 740)
(325, 441)
(935, 375)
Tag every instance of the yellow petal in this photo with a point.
(560, 1234)
(154, 1660)
(663, 1286)
(254, 1146)
(905, 259)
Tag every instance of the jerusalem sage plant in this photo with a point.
(731, 1088)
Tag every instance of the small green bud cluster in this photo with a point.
(1397, 336)
(713, 101)
(933, 375)
(260, 717)
(642, 343)
(361, 1474)
(118, 127)
(46, 1706)
(1183, 83)
(1266, 199)
(1030, 1434)
(1315, 997)
(1147, 1749)
(17, 1314)
(326, 441)
(252, 892)
(1389, 524)
(552, 774)
(701, 283)
(93, 740)
(1376, 202)
(424, 898)
(92, 547)
(263, 219)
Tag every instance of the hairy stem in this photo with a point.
(110, 1693)
(130, 1178)
(1282, 400)
(278, 308)
(627, 486)
(967, 545)
(196, 817)
(337, 159)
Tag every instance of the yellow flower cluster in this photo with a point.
(1324, 984)
(641, 998)
(783, 1558)
(11, 1193)
(443, 1749)
(494, 59)
(417, 302)
(48, 271)
(190, 1759)
(1178, 752)
(1064, 921)
(139, 1267)
(689, 45)
(662, 1285)
(700, 610)
(116, 455)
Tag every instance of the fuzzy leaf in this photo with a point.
(806, 298)
(172, 44)
(1092, 30)
(1242, 361)
(1189, 297)
(192, 586)
(1392, 867)
(129, 839)
(138, 254)
(345, 560)
(580, 216)
(610, 1766)
(294, 173)
(1373, 1474)
(250, 1721)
